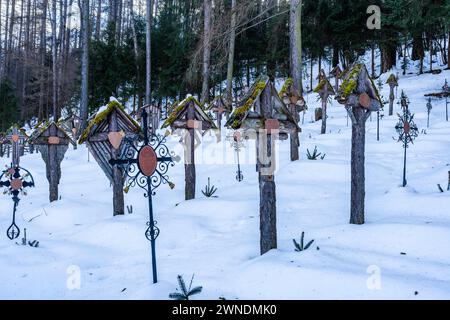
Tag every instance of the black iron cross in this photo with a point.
(146, 166)
(407, 130)
(429, 108)
(237, 144)
(446, 90)
(15, 183)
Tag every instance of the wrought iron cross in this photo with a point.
(237, 144)
(407, 130)
(429, 108)
(146, 165)
(446, 90)
(15, 183)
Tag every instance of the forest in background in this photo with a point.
(202, 47)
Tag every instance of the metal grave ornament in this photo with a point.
(145, 165)
(237, 143)
(407, 131)
(15, 180)
(429, 108)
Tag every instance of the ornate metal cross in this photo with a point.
(446, 90)
(407, 130)
(429, 107)
(237, 143)
(15, 183)
(146, 165)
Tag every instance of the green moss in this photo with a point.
(392, 79)
(101, 117)
(239, 113)
(289, 82)
(350, 82)
(322, 84)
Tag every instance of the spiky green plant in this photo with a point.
(299, 247)
(315, 155)
(209, 190)
(185, 292)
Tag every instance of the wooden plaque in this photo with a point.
(194, 124)
(272, 124)
(15, 138)
(115, 138)
(147, 161)
(53, 140)
(364, 100)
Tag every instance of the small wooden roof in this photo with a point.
(324, 87)
(290, 95)
(99, 122)
(336, 72)
(392, 80)
(217, 103)
(180, 111)
(248, 113)
(349, 86)
(41, 135)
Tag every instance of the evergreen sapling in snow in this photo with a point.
(299, 247)
(185, 292)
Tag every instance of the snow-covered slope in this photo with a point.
(405, 240)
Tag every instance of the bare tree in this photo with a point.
(207, 4)
(229, 92)
(295, 30)
(84, 64)
(148, 87)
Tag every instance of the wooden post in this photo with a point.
(189, 156)
(324, 113)
(359, 119)
(267, 188)
(391, 99)
(54, 167)
(15, 147)
(359, 104)
(294, 136)
(118, 197)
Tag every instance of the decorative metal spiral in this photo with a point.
(152, 236)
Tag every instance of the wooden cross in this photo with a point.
(17, 139)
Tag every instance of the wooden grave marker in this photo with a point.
(52, 142)
(104, 137)
(263, 116)
(189, 115)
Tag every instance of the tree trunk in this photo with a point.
(230, 68)
(84, 112)
(148, 50)
(54, 63)
(206, 50)
(357, 166)
(295, 31)
(99, 19)
(448, 48)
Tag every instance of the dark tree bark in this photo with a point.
(84, 111)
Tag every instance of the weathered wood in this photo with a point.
(357, 165)
(267, 189)
(189, 156)
(118, 180)
(391, 99)
(323, 129)
(295, 139)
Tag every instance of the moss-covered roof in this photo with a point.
(392, 79)
(103, 115)
(350, 83)
(44, 126)
(287, 84)
(180, 108)
(324, 82)
(336, 70)
(240, 113)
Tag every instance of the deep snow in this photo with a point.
(406, 237)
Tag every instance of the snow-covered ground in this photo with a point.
(402, 252)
